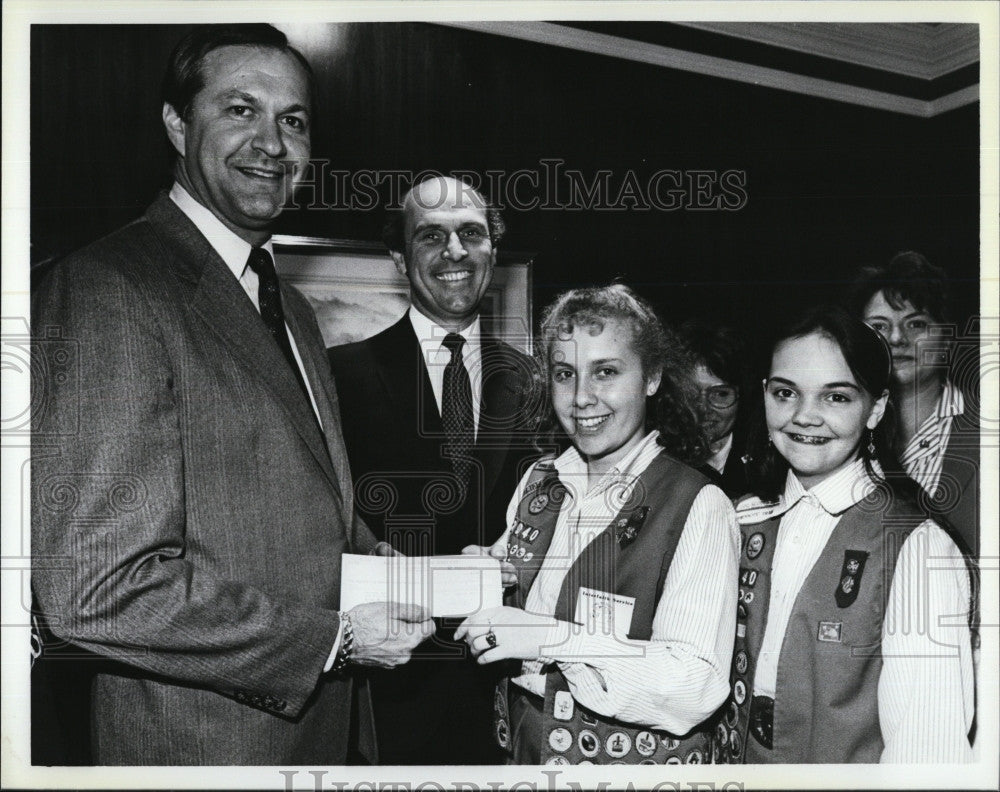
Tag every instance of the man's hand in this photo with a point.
(516, 635)
(385, 549)
(508, 573)
(386, 633)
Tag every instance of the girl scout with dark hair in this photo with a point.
(622, 620)
(852, 645)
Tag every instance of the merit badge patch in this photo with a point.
(537, 504)
(829, 632)
(589, 743)
(645, 743)
(617, 745)
(627, 528)
(754, 545)
(850, 577)
(563, 706)
(560, 739)
(741, 662)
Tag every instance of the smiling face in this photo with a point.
(246, 138)
(907, 330)
(817, 414)
(449, 257)
(599, 392)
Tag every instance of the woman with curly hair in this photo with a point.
(621, 623)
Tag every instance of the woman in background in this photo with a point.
(621, 624)
(719, 374)
(849, 648)
(907, 301)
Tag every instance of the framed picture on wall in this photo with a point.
(356, 291)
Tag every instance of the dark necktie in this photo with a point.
(269, 299)
(456, 411)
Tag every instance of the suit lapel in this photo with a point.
(219, 300)
(403, 374)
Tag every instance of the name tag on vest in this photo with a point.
(603, 613)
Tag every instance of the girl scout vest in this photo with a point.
(630, 558)
(825, 707)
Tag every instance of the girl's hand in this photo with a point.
(508, 574)
(516, 635)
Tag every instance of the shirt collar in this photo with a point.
(835, 494)
(719, 458)
(952, 402)
(572, 467)
(231, 249)
(431, 335)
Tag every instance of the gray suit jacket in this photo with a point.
(188, 515)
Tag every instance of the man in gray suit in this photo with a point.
(191, 493)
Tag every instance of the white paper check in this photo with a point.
(455, 585)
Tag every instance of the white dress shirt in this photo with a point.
(235, 252)
(925, 690)
(436, 357)
(923, 457)
(719, 458)
(680, 676)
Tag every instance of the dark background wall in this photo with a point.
(829, 186)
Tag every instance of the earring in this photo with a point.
(770, 442)
(871, 443)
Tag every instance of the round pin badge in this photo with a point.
(741, 662)
(617, 745)
(733, 715)
(588, 742)
(673, 760)
(740, 691)
(557, 760)
(754, 545)
(584, 762)
(694, 757)
(560, 739)
(538, 503)
(503, 738)
(670, 743)
(587, 718)
(500, 705)
(721, 733)
(647, 761)
(735, 743)
(645, 743)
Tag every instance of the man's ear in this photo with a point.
(878, 410)
(399, 259)
(175, 127)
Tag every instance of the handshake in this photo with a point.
(386, 633)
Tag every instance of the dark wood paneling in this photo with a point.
(830, 185)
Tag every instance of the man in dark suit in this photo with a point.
(439, 431)
(191, 494)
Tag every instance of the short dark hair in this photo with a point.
(184, 79)
(869, 358)
(908, 277)
(394, 227)
(718, 348)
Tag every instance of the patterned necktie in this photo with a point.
(269, 299)
(456, 411)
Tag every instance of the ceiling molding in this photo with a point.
(684, 60)
(914, 50)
